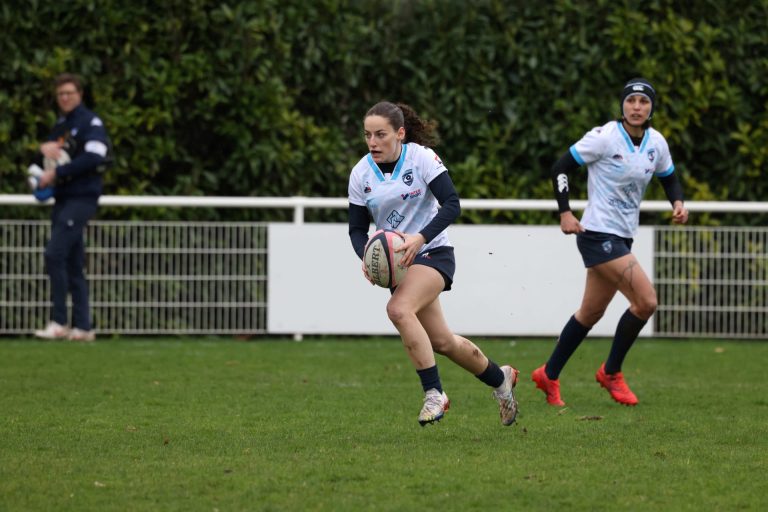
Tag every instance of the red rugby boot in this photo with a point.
(614, 383)
(549, 386)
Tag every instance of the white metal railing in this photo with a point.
(712, 282)
(151, 277)
(299, 203)
(145, 277)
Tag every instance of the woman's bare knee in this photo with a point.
(645, 308)
(397, 313)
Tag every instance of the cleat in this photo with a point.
(435, 405)
(81, 335)
(549, 386)
(505, 395)
(53, 331)
(614, 383)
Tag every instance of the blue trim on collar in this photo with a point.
(626, 136)
(375, 168)
(645, 141)
(400, 163)
(395, 172)
(628, 139)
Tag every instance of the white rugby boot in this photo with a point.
(505, 395)
(53, 331)
(435, 405)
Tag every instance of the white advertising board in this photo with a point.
(510, 281)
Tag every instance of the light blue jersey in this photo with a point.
(402, 200)
(619, 173)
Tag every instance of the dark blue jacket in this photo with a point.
(86, 140)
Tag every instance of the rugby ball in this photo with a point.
(381, 261)
(33, 178)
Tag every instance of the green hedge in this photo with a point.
(266, 98)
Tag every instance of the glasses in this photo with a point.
(65, 93)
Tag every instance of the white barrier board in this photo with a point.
(510, 281)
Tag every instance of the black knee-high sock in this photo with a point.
(626, 333)
(430, 379)
(570, 338)
(492, 375)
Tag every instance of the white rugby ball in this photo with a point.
(381, 261)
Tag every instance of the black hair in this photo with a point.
(401, 115)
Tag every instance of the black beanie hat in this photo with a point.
(638, 86)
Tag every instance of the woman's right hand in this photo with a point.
(50, 150)
(569, 224)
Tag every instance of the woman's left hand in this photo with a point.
(411, 247)
(679, 213)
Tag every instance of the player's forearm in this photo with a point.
(559, 174)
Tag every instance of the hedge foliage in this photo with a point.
(266, 98)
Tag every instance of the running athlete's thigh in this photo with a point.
(432, 319)
(421, 286)
(628, 277)
(598, 293)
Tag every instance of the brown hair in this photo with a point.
(68, 78)
(401, 115)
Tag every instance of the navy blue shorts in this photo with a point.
(441, 259)
(596, 247)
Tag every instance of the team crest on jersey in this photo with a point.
(607, 247)
(630, 190)
(438, 159)
(395, 219)
(367, 188)
(408, 177)
(651, 154)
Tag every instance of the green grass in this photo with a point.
(201, 424)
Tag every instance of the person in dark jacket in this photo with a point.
(75, 154)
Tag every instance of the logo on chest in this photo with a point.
(408, 177)
(411, 194)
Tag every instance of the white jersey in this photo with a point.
(402, 200)
(619, 173)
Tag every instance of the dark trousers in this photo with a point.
(65, 260)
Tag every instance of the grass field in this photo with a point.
(330, 425)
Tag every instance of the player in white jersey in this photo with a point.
(621, 158)
(400, 183)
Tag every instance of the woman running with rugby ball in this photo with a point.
(400, 183)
